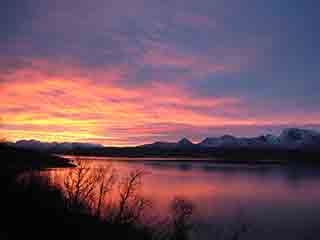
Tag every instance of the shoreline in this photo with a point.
(194, 160)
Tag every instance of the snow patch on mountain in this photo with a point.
(291, 138)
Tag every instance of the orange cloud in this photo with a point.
(62, 102)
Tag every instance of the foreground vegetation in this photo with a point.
(32, 207)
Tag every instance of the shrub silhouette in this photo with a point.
(83, 183)
(181, 214)
(33, 207)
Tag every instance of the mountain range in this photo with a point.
(54, 146)
(289, 139)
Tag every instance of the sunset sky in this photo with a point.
(129, 72)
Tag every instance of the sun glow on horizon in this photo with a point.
(71, 106)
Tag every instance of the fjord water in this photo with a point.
(264, 201)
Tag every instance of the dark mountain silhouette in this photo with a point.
(292, 142)
(53, 146)
(289, 139)
(184, 142)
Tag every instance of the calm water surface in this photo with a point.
(273, 201)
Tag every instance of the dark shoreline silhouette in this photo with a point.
(32, 207)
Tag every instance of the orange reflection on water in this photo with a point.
(218, 191)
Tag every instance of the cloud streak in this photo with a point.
(129, 72)
(95, 107)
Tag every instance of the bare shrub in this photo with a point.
(106, 182)
(181, 218)
(86, 187)
(131, 205)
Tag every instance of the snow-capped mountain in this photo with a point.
(228, 141)
(298, 138)
(291, 138)
(225, 140)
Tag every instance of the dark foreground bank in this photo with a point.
(33, 208)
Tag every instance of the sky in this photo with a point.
(129, 72)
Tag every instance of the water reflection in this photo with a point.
(274, 201)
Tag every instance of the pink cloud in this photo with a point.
(72, 104)
(160, 55)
